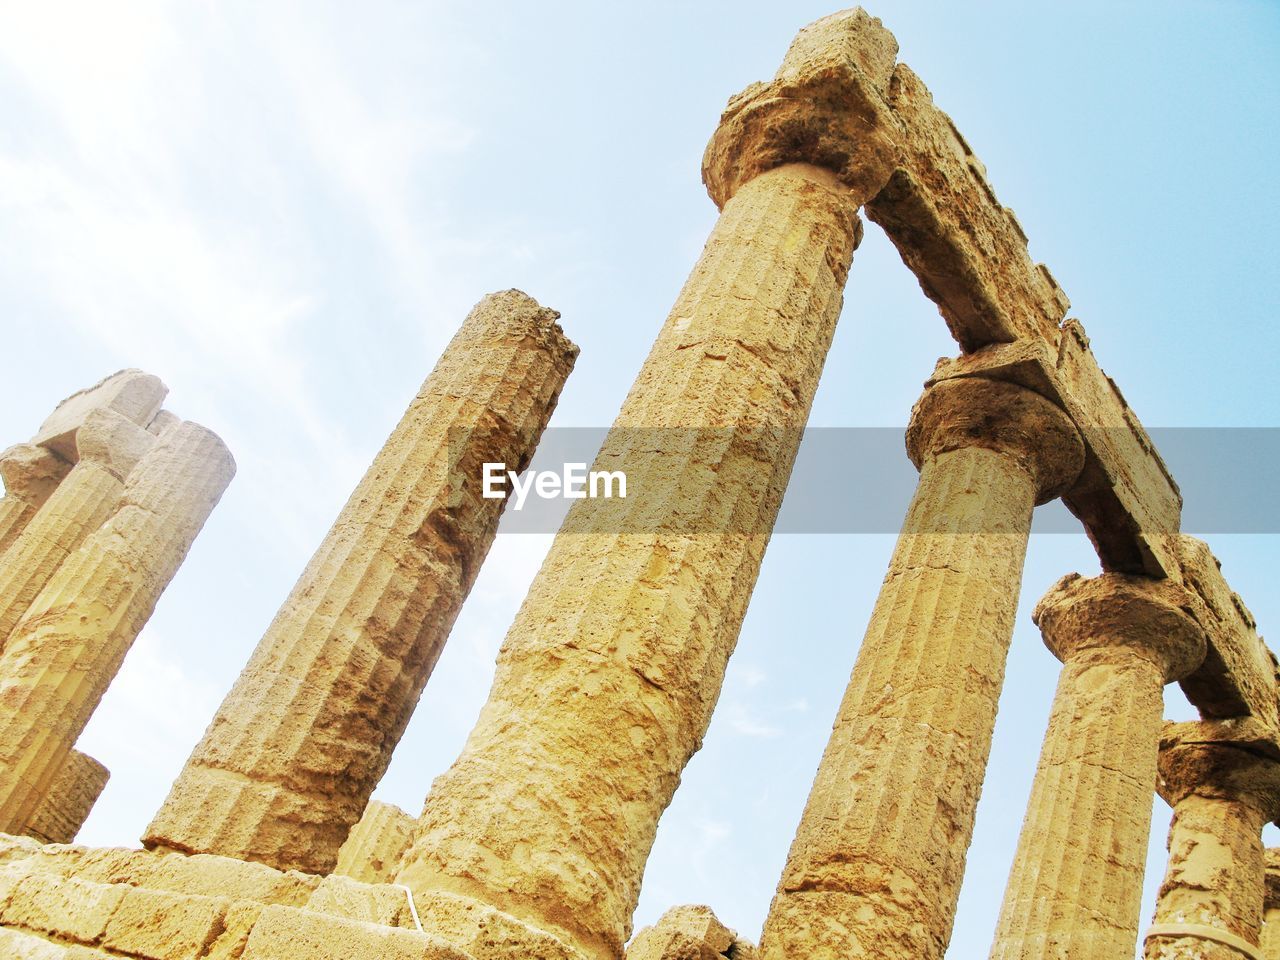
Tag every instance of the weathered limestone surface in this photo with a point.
(63, 654)
(31, 474)
(301, 741)
(607, 679)
(876, 865)
(373, 848)
(1271, 906)
(689, 933)
(608, 676)
(1075, 889)
(132, 394)
(108, 447)
(71, 797)
(1222, 779)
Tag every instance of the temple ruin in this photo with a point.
(533, 844)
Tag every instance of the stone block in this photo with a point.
(285, 933)
(18, 945)
(198, 875)
(685, 933)
(131, 393)
(380, 903)
(157, 925)
(64, 908)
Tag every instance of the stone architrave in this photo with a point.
(31, 473)
(301, 741)
(373, 848)
(65, 651)
(1222, 779)
(108, 446)
(70, 800)
(1075, 889)
(609, 674)
(877, 861)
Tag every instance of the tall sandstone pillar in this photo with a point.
(64, 652)
(609, 674)
(1075, 889)
(876, 864)
(1271, 907)
(108, 446)
(31, 473)
(301, 741)
(1222, 779)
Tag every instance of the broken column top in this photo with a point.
(513, 313)
(133, 394)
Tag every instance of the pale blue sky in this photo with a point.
(284, 210)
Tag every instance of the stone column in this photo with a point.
(1222, 779)
(1075, 889)
(301, 741)
(31, 473)
(108, 446)
(608, 676)
(876, 865)
(607, 679)
(1271, 907)
(373, 848)
(66, 649)
(70, 799)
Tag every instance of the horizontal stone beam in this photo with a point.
(1125, 497)
(966, 249)
(1239, 673)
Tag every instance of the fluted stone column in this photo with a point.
(108, 446)
(607, 679)
(70, 799)
(1271, 907)
(1075, 889)
(608, 676)
(372, 851)
(301, 741)
(1222, 779)
(31, 473)
(66, 649)
(877, 861)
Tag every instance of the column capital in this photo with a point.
(1150, 617)
(826, 107)
(999, 416)
(1236, 760)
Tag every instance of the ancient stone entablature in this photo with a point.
(533, 844)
